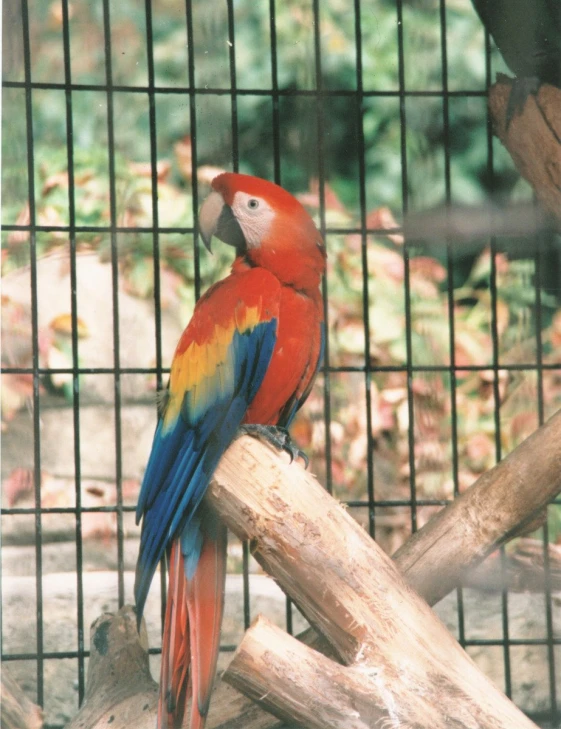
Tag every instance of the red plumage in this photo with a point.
(249, 355)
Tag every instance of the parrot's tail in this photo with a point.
(191, 638)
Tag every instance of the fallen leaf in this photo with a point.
(18, 485)
(62, 324)
(382, 219)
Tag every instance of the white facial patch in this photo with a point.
(254, 215)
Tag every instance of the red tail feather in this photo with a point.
(205, 600)
(174, 676)
(192, 630)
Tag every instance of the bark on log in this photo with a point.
(352, 593)
(498, 506)
(533, 139)
(527, 479)
(119, 689)
(18, 711)
(131, 700)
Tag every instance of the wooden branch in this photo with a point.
(271, 658)
(119, 690)
(352, 593)
(522, 571)
(119, 687)
(498, 505)
(474, 530)
(18, 711)
(533, 139)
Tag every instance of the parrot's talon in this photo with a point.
(277, 436)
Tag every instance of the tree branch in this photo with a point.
(527, 479)
(493, 510)
(533, 139)
(119, 690)
(347, 587)
(352, 593)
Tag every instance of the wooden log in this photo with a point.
(533, 139)
(352, 593)
(18, 711)
(496, 507)
(341, 697)
(430, 551)
(119, 689)
(229, 708)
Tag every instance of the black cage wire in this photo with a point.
(233, 116)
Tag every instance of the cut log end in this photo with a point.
(119, 690)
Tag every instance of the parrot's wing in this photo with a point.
(297, 400)
(218, 367)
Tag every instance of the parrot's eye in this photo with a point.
(253, 204)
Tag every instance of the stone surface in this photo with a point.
(100, 595)
(482, 610)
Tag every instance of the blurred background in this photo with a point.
(443, 353)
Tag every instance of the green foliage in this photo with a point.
(333, 129)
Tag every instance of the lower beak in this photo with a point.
(216, 218)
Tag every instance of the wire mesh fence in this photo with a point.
(441, 356)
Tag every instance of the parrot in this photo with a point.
(245, 363)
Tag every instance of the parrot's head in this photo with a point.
(267, 226)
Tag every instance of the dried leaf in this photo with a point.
(382, 219)
(62, 324)
(207, 173)
(144, 169)
(184, 156)
(17, 237)
(59, 360)
(18, 485)
(58, 179)
(16, 391)
(428, 268)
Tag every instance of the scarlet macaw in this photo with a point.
(248, 356)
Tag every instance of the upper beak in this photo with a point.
(209, 215)
(216, 218)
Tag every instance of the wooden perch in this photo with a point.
(18, 711)
(533, 139)
(450, 546)
(119, 690)
(415, 672)
(498, 505)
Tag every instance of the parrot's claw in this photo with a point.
(277, 436)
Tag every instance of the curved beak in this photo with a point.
(216, 218)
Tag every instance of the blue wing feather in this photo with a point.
(185, 455)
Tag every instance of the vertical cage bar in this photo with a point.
(359, 103)
(194, 151)
(115, 297)
(277, 179)
(545, 531)
(155, 236)
(406, 273)
(233, 85)
(275, 92)
(324, 287)
(35, 352)
(495, 367)
(74, 336)
(235, 167)
(450, 288)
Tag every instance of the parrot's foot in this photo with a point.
(277, 436)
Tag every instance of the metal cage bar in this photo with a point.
(320, 97)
